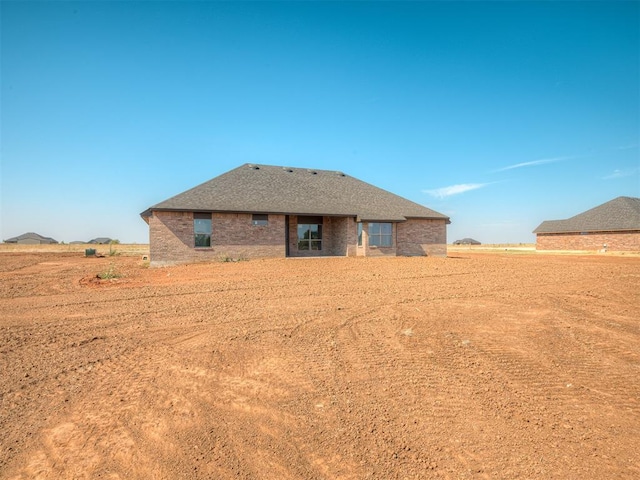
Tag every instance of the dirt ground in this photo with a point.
(472, 366)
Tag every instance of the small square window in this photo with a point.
(259, 219)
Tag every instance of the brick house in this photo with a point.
(614, 225)
(467, 241)
(31, 238)
(258, 211)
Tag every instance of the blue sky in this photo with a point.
(498, 114)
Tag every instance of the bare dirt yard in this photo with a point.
(480, 365)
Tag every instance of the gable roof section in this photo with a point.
(100, 240)
(299, 191)
(467, 241)
(30, 236)
(619, 214)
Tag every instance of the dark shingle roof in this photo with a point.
(100, 240)
(31, 236)
(622, 213)
(467, 241)
(283, 190)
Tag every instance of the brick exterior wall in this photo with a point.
(417, 237)
(171, 238)
(615, 241)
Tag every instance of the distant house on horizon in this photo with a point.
(614, 225)
(31, 238)
(467, 241)
(258, 211)
(100, 241)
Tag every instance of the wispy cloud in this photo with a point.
(542, 161)
(620, 174)
(454, 189)
(627, 147)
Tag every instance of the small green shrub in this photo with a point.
(228, 258)
(109, 273)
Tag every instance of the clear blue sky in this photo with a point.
(500, 115)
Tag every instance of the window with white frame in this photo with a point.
(380, 234)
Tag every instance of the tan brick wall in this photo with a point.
(422, 237)
(415, 237)
(615, 241)
(171, 238)
(351, 234)
(343, 235)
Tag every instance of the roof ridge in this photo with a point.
(289, 167)
(620, 213)
(262, 188)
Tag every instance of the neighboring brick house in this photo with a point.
(100, 241)
(268, 211)
(467, 241)
(614, 225)
(31, 238)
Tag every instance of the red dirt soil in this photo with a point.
(472, 366)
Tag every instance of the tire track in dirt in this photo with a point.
(95, 426)
(185, 396)
(383, 369)
(368, 354)
(537, 371)
(251, 388)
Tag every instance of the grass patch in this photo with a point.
(110, 273)
(228, 258)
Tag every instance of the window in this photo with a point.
(310, 233)
(202, 229)
(380, 234)
(260, 220)
(359, 234)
